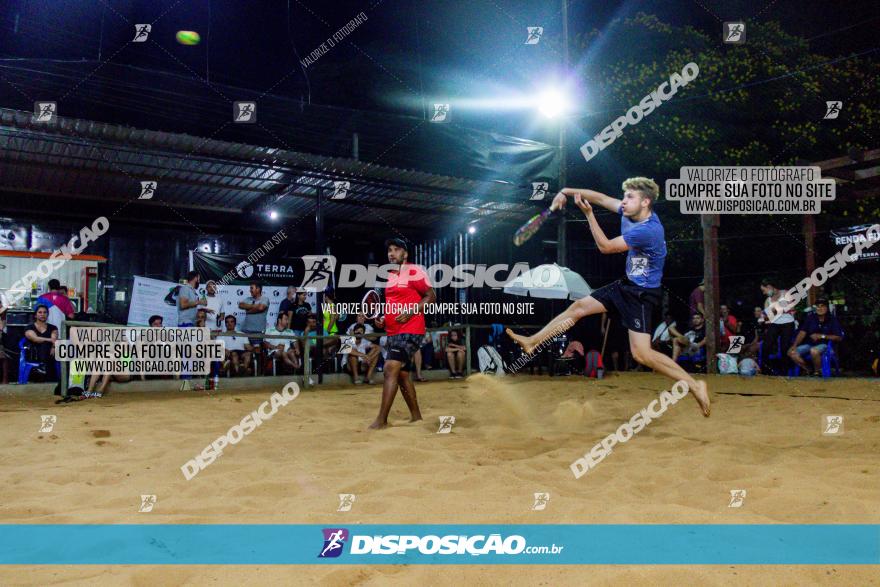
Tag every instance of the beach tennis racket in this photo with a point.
(528, 230)
(372, 304)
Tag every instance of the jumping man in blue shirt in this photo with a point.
(633, 298)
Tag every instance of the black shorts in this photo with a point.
(632, 304)
(402, 347)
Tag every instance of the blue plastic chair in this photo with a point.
(830, 364)
(700, 357)
(495, 334)
(24, 367)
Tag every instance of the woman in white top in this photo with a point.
(780, 330)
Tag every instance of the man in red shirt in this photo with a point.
(406, 295)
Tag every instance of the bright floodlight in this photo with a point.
(551, 103)
(273, 215)
(472, 229)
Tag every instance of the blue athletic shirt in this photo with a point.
(647, 249)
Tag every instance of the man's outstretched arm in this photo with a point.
(593, 197)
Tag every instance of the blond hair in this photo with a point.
(646, 186)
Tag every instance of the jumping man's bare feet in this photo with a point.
(701, 394)
(522, 341)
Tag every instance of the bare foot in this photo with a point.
(377, 425)
(415, 418)
(522, 341)
(701, 394)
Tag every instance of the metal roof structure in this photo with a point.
(69, 168)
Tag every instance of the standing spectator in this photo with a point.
(297, 311)
(455, 351)
(697, 299)
(331, 318)
(281, 347)
(812, 339)
(214, 306)
(59, 306)
(188, 303)
(188, 300)
(201, 318)
(41, 336)
(155, 321)
(256, 306)
(780, 331)
(690, 344)
(665, 332)
(4, 359)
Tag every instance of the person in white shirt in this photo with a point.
(234, 345)
(780, 331)
(364, 355)
(664, 334)
(214, 307)
(281, 347)
(361, 321)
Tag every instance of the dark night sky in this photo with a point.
(406, 49)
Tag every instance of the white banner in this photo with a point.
(152, 297)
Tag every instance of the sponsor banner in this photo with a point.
(780, 544)
(155, 296)
(268, 267)
(854, 235)
(151, 297)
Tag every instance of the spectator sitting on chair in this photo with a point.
(665, 332)
(297, 309)
(455, 351)
(361, 320)
(363, 353)
(236, 356)
(311, 332)
(690, 344)
(201, 318)
(41, 337)
(818, 328)
(281, 346)
(728, 326)
(753, 330)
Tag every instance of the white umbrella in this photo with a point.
(549, 281)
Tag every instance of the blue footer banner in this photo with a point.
(246, 544)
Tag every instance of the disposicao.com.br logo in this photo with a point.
(334, 540)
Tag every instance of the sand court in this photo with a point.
(512, 437)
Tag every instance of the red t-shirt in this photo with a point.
(405, 287)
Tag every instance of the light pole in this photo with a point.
(560, 231)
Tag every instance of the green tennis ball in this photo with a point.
(188, 37)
